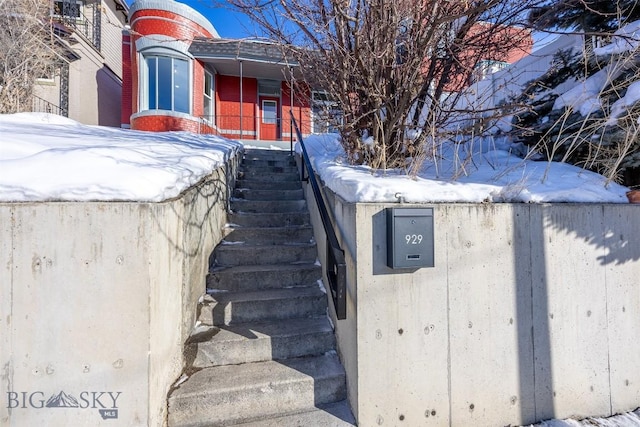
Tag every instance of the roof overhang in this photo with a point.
(256, 59)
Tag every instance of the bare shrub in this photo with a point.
(393, 68)
(29, 50)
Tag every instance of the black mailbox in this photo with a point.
(409, 237)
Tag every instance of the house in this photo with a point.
(184, 76)
(86, 84)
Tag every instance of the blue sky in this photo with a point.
(236, 25)
(229, 24)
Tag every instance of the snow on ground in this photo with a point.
(49, 157)
(486, 173)
(629, 419)
(46, 157)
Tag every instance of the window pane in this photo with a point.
(208, 97)
(151, 76)
(164, 83)
(181, 85)
(269, 113)
(208, 83)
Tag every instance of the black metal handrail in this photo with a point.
(335, 266)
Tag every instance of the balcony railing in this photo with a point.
(39, 105)
(84, 19)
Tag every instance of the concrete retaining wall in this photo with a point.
(531, 312)
(96, 300)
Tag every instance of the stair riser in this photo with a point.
(265, 170)
(265, 163)
(269, 219)
(215, 353)
(275, 194)
(250, 311)
(252, 281)
(256, 184)
(228, 255)
(227, 407)
(267, 156)
(262, 236)
(262, 206)
(257, 175)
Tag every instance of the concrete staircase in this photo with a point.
(263, 351)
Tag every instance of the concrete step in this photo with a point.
(255, 277)
(256, 173)
(272, 194)
(258, 342)
(227, 308)
(268, 206)
(258, 184)
(332, 415)
(251, 154)
(270, 235)
(227, 395)
(226, 255)
(249, 219)
(265, 170)
(284, 161)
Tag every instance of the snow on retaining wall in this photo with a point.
(96, 300)
(530, 313)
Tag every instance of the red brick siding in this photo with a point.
(179, 28)
(301, 109)
(167, 23)
(134, 79)
(228, 104)
(162, 123)
(127, 84)
(197, 107)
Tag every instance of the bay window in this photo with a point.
(168, 84)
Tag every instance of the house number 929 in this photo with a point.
(413, 239)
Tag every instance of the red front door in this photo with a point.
(269, 118)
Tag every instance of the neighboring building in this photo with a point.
(87, 83)
(183, 76)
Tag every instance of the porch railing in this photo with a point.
(247, 127)
(335, 266)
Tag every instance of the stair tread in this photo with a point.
(264, 349)
(240, 246)
(267, 294)
(275, 228)
(332, 415)
(259, 375)
(266, 267)
(279, 328)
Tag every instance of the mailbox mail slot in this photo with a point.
(409, 237)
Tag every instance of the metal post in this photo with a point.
(291, 111)
(241, 99)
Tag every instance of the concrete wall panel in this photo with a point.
(409, 343)
(622, 264)
(489, 315)
(531, 312)
(80, 317)
(96, 301)
(570, 311)
(6, 285)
